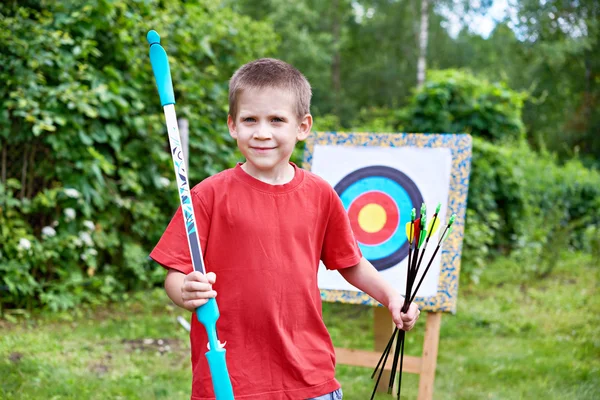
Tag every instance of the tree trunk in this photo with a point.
(423, 31)
(587, 101)
(336, 80)
(31, 182)
(4, 146)
(24, 172)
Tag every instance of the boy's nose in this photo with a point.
(262, 132)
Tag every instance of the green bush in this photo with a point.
(525, 203)
(456, 101)
(87, 183)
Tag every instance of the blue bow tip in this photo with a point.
(153, 37)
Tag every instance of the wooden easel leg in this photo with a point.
(383, 327)
(429, 358)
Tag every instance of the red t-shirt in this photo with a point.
(264, 243)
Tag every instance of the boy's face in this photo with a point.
(267, 129)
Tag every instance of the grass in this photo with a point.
(510, 339)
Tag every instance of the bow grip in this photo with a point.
(208, 314)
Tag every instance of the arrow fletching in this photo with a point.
(452, 218)
(416, 230)
(447, 234)
(434, 224)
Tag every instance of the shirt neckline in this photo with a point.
(267, 187)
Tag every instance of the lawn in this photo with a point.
(512, 338)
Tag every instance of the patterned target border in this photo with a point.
(460, 146)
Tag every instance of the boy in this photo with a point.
(264, 226)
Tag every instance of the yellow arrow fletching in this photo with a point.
(435, 226)
(415, 230)
(409, 236)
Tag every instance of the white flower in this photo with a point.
(72, 193)
(90, 225)
(92, 252)
(86, 238)
(77, 242)
(164, 182)
(70, 214)
(24, 244)
(48, 231)
(55, 224)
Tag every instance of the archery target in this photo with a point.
(378, 200)
(379, 186)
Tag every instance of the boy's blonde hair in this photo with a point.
(270, 73)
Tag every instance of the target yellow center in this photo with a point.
(372, 218)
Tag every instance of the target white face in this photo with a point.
(379, 186)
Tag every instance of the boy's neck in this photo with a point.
(279, 176)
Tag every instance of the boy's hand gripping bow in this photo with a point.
(208, 314)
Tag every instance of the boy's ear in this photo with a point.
(304, 127)
(231, 126)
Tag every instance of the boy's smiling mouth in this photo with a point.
(262, 149)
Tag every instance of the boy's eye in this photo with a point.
(248, 119)
(276, 119)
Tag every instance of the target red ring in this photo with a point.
(392, 216)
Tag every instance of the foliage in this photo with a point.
(524, 202)
(591, 242)
(363, 55)
(452, 101)
(81, 113)
(457, 101)
(559, 58)
(306, 36)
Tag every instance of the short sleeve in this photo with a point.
(340, 248)
(172, 250)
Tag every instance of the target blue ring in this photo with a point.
(403, 202)
(408, 190)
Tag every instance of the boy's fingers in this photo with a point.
(198, 295)
(196, 299)
(212, 277)
(410, 317)
(193, 304)
(408, 327)
(407, 317)
(193, 286)
(412, 314)
(196, 276)
(397, 317)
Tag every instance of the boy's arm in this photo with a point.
(365, 277)
(173, 284)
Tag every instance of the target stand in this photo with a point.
(380, 178)
(424, 365)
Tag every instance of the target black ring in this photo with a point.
(405, 183)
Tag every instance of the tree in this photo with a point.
(80, 118)
(562, 44)
(423, 31)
